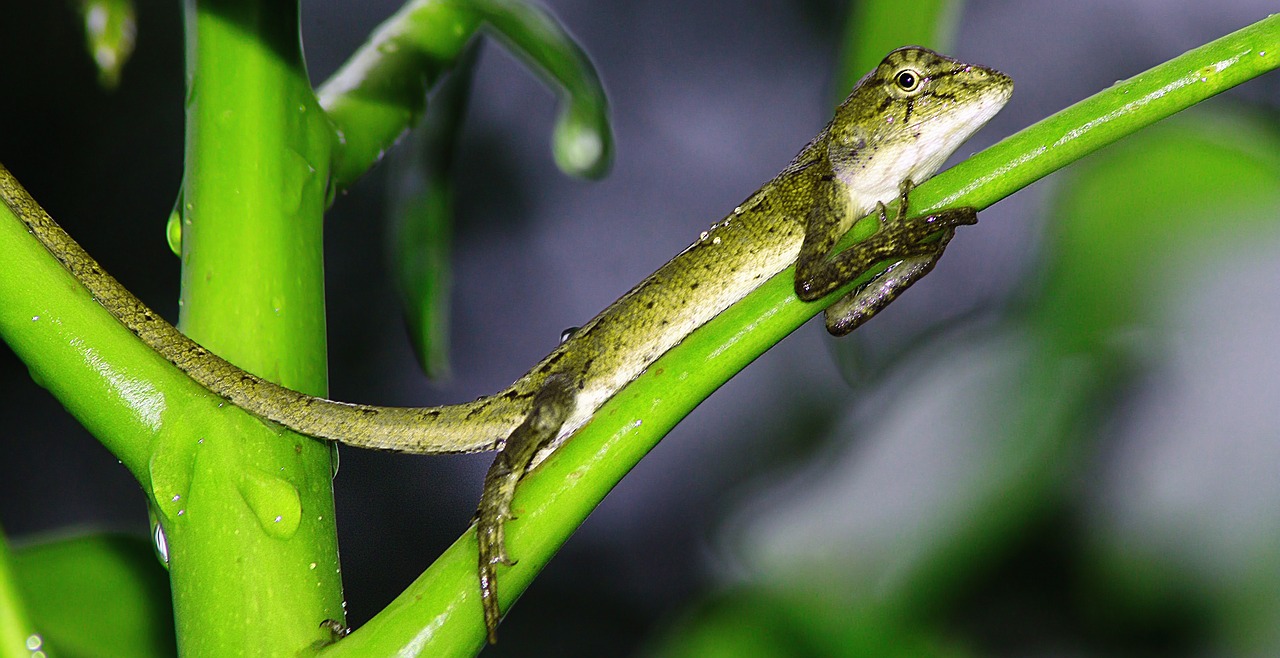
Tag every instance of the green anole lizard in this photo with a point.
(897, 126)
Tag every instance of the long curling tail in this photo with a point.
(470, 427)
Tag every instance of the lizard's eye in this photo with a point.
(907, 80)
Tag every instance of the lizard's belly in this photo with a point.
(721, 268)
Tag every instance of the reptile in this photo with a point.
(897, 126)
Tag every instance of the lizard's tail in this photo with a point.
(470, 427)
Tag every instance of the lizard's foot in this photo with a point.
(336, 628)
(900, 237)
(915, 243)
(903, 232)
(337, 631)
(855, 308)
(491, 519)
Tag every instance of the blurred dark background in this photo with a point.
(709, 100)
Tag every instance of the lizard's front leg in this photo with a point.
(901, 237)
(551, 406)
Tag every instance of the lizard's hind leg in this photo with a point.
(855, 308)
(551, 406)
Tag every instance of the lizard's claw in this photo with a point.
(490, 534)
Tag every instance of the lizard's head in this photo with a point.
(907, 116)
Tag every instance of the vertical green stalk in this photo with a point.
(250, 527)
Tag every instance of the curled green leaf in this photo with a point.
(381, 91)
(583, 142)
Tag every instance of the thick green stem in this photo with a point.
(249, 514)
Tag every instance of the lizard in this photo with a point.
(896, 128)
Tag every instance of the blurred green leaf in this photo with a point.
(17, 633)
(757, 623)
(97, 596)
(1121, 214)
(875, 27)
(1140, 224)
(422, 216)
(110, 29)
(420, 201)
(582, 141)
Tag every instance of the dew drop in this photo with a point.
(34, 642)
(173, 232)
(159, 543)
(567, 334)
(273, 500)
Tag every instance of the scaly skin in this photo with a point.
(898, 125)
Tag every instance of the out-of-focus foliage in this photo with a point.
(97, 596)
(1144, 347)
(110, 30)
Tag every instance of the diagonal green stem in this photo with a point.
(439, 614)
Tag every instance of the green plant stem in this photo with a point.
(120, 390)
(439, 614)
(249, 513)
(381, 91)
